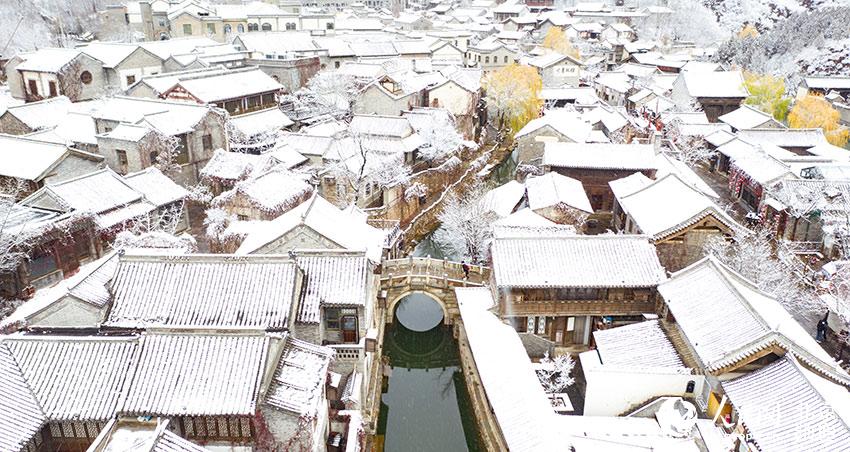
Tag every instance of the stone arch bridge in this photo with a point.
(433, 277)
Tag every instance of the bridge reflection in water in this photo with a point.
(425, 406)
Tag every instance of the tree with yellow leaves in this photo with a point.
(767, 93)
(814, 111)
(748, 31)
(558, 41)
(513, 92)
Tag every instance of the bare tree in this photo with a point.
(554, 374)
(70, 80)
(162, 151)
(690, 149)
(466, 225)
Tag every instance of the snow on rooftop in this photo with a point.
(555, 190)
(73, 378)
(746, 117)
(599, 156)
(810, 419)
(300, 377)
(233, 166)
(346, 230)
(156, 187)
(718, 84)
(230, 85)
(151, 291)
(640, 345)
(41, 157)
(504, 199)
(576, 261)
(568, 123)
(524, 217)
(739, 321)
(273, 191)
(665, 206)
(522, 410)
(331, 279)
(47, 60)
(224, 381)
(262, 121)
(42, 114)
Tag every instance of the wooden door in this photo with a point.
(348, 325)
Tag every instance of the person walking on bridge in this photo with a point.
(465, 268)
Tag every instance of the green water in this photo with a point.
(425, 406)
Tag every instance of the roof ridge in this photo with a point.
(20, 372)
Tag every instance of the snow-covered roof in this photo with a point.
(785, 407)
(739, 321)
(576, 261)
(47, 60)
(722, 84)
(640, 345)
(503, 199)
(555, 190)
(155, 186)
(273, 191)
(71, 378)
(524, 414)
(828, 83)
(21, 417)
(525, 217)
(348, 231)
(379, 125)
(755, 161)
(224, 380)
(746, 117)
(110, 53)
(132, 435)
(669, 165)
(177, 46)
(565, 122)
(332, 278)
(233, 166)
(582, 95)
(299, 379)
(230, 85)
(663, 207)
(153, 291)
(784, 138)
(41, 157)
(262, 121)
(42, 114)
(169, 117)
(96, 192)
(599, 156)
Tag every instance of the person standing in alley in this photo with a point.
(465, 268)
(823, 324)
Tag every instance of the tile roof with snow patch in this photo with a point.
(47, 60)
(599, 156)
(41, 157)
(300, 377)
(156, 187)
(44, 113)
(746, 117)
(786, 408)
(503, 199)
(224, 380)
(261, 121)
(555, 190)
(97, 192)
(524, 217)
(737, 320)
(663, 207)
(380, 125)
(331, 278)
(203, 291)
(73, 378)
(567, 123)
(230, 85)
(576, 261)
(639, 345)
(21, 416)
(348, 231)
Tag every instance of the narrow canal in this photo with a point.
(425, 406)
